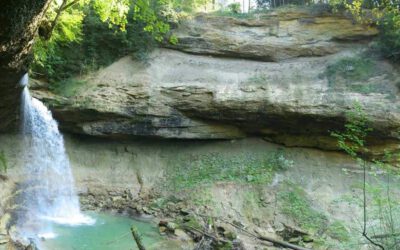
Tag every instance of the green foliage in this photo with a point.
(190, 6)
(350, 69)
(3, 162)
(385, 14)
(389, 36)
(383, 210)
(92, 34)
(338, 231)
(352, 139)
(296, 205)
(97, 44)
(234, 8)
(211, 168)
(68, 87)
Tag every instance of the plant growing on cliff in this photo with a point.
(350, 69)
(384, 14)
(352, 140)
(3, 162)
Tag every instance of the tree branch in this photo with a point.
(70, 5)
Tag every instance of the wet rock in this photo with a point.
(294, 240)
(307, 239)
(146, 210)
(162, 230)
(264, 233)
(184, 211)
(171, 226)
(181, 235)
(227, 231)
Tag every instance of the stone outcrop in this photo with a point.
(179, 96)
(275, 36)
(296, 102)
(19, 21)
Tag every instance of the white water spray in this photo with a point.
(48, 191)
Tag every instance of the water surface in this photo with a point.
(110, 232)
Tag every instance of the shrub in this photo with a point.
(389, 36)
(234, 8)
(350, 69)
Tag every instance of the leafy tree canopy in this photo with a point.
(383, 13)
(80, 35)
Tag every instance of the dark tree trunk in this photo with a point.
(19, 20)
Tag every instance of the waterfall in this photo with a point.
(48, 194)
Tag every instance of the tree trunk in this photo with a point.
(19, 20)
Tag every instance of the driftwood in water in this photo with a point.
(137, 238)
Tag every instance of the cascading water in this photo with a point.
(48, 190)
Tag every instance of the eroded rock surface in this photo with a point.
(279, 35)
(177, 95)
(297, 101)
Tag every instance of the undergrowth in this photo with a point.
(210, 168)
(296, 205)
(68, 87)
(350, 69)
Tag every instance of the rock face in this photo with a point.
(296, 102)
(146, 177)
(18, 21)
(269, 37)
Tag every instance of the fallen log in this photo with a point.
(137, 238)
(264, 238)
(280, 242)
